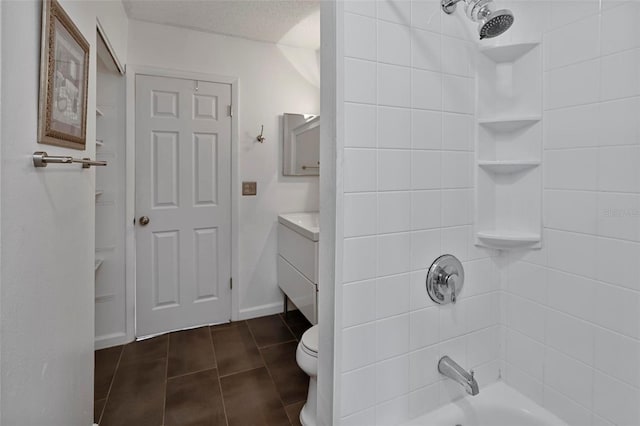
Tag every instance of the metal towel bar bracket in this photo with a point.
(42, 159)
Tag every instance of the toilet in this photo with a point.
(307, 358)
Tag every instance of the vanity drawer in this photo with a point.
(298, 289)
(300, 252)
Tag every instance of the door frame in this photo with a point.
(130, 201)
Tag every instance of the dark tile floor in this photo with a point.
(243, 373)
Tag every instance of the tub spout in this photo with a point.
(452, 370)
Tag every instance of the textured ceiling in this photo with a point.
(289, 22)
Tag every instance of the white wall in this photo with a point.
(47, 228)
(407, 192)
(113, 18)
(272, 80)
(573, 308)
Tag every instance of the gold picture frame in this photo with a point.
(64, 80)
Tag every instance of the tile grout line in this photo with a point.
(113, 378)
(224, 406)
(166, 373)
(269, 371)
(178, 376)
(276, 344)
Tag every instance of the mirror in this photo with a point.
(301, 150)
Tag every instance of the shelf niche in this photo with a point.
(509, 147)
(508, 239)
(508, 167)
(508, 52)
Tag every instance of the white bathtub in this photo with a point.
(495, 405)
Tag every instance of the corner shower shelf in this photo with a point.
(99, 112)
(508, 52)
(509, 124)
(99, 142)
(98, 193)
(508, 239)
(508, 178)
(507, 167)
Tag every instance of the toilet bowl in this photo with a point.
(307, 358)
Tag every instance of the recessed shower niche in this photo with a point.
(509, 146)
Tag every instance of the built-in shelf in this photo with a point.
(99, 112)
(508, 239)
(508, 189)
(99, 142)
(508, 124)
(98, 262)
(508, 52)
(507, 167)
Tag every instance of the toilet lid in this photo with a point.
(310, 339)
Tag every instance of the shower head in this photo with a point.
(495, 24)
(491, 22)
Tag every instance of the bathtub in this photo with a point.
(495, 405)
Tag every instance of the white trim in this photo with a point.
(331, 212)
(129, 206)
(130, 251)
(260, 311)
(1, 50)
(109, 340)
(102, 33)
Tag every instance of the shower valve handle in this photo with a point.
(448, 285)
(445, 279)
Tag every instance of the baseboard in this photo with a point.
(109, 340)
(260, 311)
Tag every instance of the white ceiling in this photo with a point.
(289, 22)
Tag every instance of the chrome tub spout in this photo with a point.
(452, 370)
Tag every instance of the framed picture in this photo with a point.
(64, 78)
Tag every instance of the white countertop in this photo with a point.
(306, 224)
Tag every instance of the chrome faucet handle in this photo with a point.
(445, 279)
(450, 285)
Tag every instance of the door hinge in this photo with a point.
(231, 283)
(229, 110)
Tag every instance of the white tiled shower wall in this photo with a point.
(408, 182)
(573, 308)
(568, 334)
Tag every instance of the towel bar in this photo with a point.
(42, 159)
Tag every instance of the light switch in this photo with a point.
(249, 188)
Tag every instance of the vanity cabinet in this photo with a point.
(298, 236)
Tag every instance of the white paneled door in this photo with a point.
(183, 203)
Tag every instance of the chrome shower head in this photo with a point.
(492, 22)
(495, 24)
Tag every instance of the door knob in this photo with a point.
(144, 220)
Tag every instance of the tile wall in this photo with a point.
(409, 84)
(572, 310)
(561, 324)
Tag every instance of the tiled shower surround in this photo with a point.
(408, 194)
(573, 308)
(560, 324)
